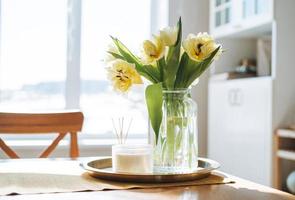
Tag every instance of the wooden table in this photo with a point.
(241, 190)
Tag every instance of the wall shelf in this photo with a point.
(286, 154)
(257, 31)
(283, 140)
(286, 133)
(254, 78)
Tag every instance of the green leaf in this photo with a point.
(154, 100)
(201, 67)
(125, 52)
(161, 65)
(183, 65)
(115, 55)
(151, 71)
(172, 60)
(148, 71)
(189, 70)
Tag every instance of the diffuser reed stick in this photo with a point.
(121, 132)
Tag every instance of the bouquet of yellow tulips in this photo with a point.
(166, 61)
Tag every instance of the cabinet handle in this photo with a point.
(231, 97)
(239, 97)
(235, 97)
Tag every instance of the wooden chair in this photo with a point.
(63, 123)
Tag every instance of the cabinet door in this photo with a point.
(221, 15)
(232, 16)
(255, 8)
(240, 127)
(255, 13)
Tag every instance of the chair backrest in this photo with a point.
(66, 122)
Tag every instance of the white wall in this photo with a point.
(284, 87)
(195, 18)
(284, 66)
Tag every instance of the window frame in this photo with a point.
(73, 56)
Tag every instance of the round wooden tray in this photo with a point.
(102, 168)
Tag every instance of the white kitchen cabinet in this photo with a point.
(245, 113)
(239, 127)
(234, 16)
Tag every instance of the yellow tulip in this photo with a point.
(152, 50)
(198, 47)
(169, 35)
(123, 75)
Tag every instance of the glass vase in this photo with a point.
(176, 150)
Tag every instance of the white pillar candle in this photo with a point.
(136, 159)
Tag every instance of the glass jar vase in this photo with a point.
(176, 150)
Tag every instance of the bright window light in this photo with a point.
(129, 20)
(34, 70)
(33, 54)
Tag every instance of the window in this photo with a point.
(35, 69)
(98, 101)
(33, 54)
